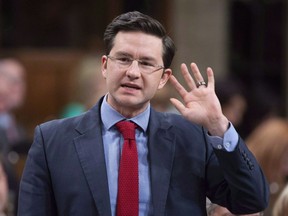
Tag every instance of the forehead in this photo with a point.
(11, 72)
(11, 68)
(138, 44)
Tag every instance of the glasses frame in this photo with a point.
(157, 67)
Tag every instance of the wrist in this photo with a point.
(218, 126)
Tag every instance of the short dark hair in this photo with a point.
(136, 21)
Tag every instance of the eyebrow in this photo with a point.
(121, 53)
(126, 54)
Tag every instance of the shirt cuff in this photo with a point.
(228, 143)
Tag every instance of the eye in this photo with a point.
(124, 60)
(146, 63)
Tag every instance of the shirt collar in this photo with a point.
(110, 116)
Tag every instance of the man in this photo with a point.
(12, 134)
(232, 99)
(73, 164)
(12, 94)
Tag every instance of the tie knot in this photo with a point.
(127, 129)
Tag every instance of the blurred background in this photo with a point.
(243, 40)
(246, 39)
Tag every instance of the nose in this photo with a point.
(134, 71)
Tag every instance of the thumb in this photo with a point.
(178, 105)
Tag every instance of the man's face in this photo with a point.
(12, 85)
(130, 90)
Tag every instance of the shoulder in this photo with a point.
(61, 124)
(83, 122)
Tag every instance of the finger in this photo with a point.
(211, 79)
(179, 88)
(196, 73)
(178, 105)
(187, 76)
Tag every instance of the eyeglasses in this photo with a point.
(145, 66)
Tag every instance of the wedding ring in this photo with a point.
(198, 84)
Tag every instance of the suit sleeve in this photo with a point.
(244, 188)
(36, 193)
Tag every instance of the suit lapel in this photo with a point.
(89, 147)
(161, 153)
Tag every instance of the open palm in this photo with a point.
(200, 104)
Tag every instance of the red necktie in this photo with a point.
(128, 186)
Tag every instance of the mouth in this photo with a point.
(130, 86)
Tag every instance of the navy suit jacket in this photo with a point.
(65, 172)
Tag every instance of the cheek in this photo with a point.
(112, 80)
(109, 80)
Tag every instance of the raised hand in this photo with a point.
(200, 103)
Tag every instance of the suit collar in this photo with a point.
(89, 147)
(91, 119)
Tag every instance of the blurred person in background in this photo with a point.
(12, 95)
(88, 86)
(232, 98)
(161, 100)
(280, 207)
(269, 144)
(12, 134)
(263, 103)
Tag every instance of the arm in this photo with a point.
(243, 188)
(36, 194)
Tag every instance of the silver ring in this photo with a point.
(198, 84)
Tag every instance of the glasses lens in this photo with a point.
(144, 66)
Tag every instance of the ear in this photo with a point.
(165, 77)
(104, 66)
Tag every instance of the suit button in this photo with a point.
(219, 146)
(227, 145)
